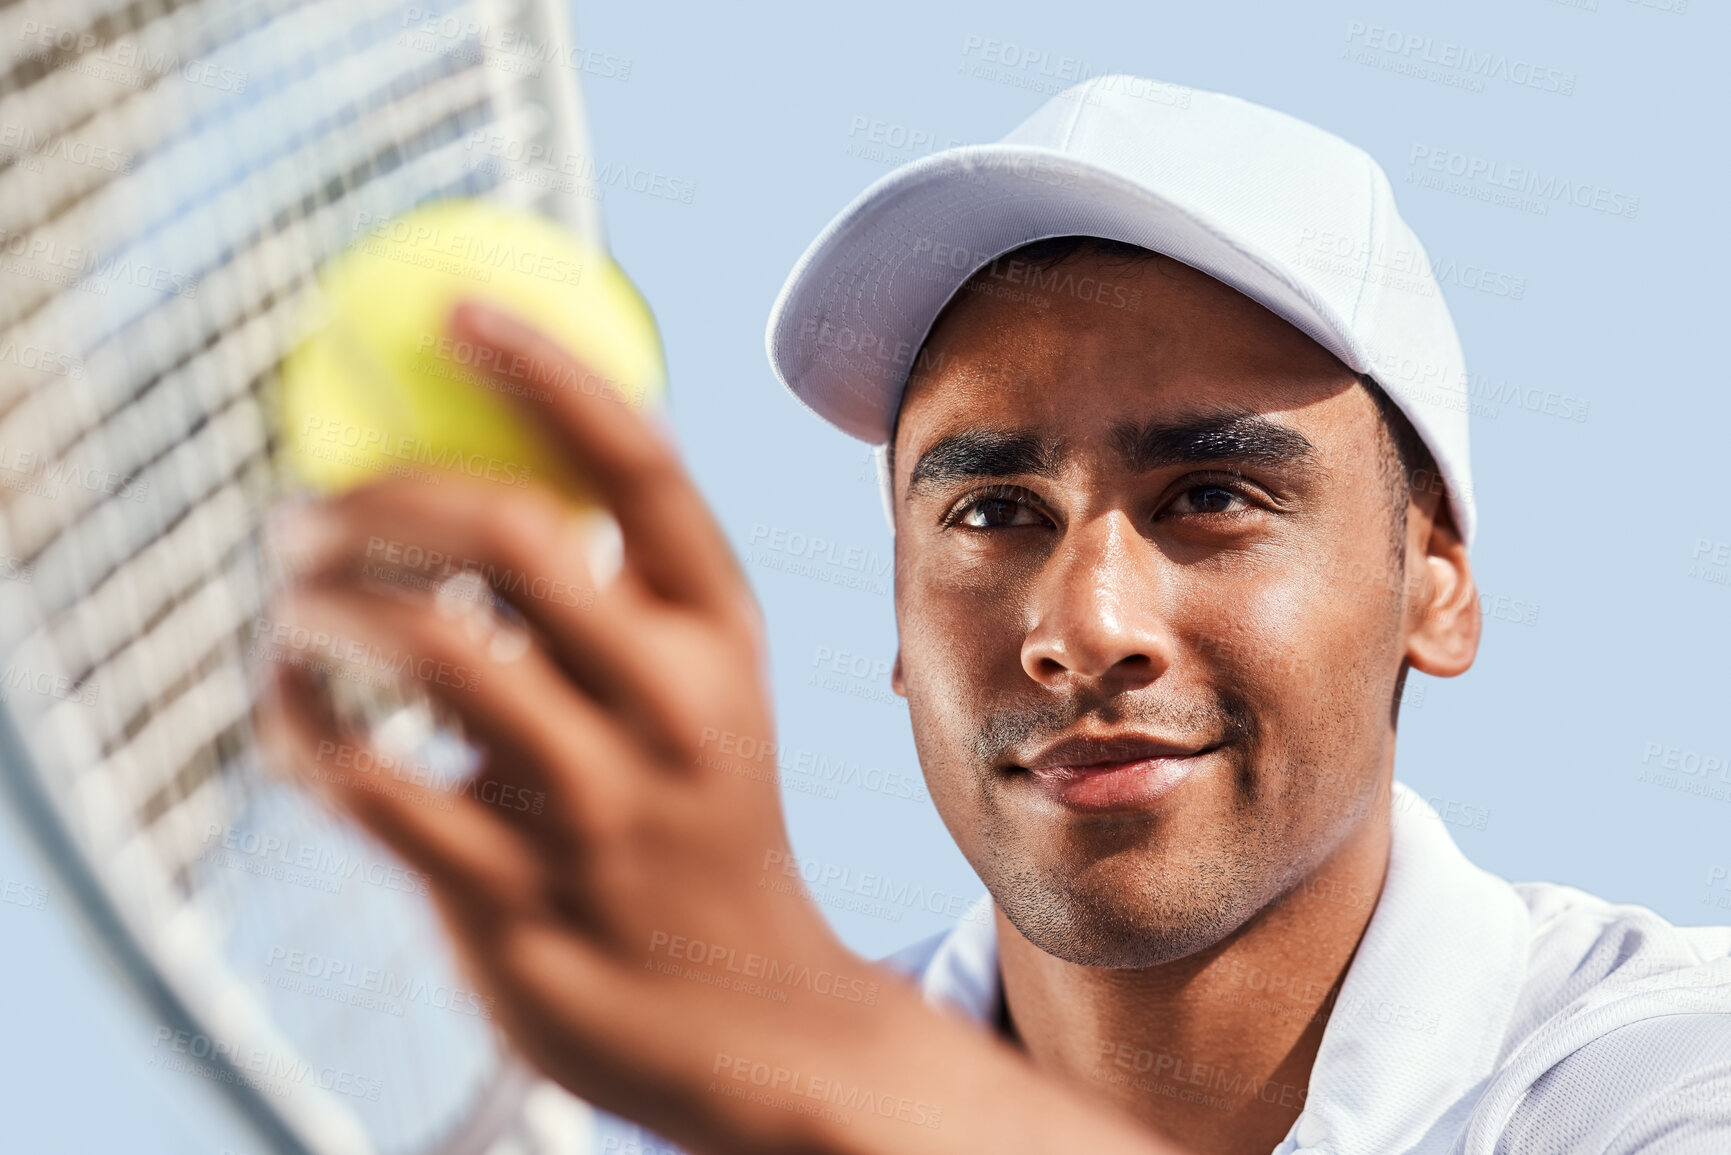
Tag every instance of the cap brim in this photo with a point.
(859, 304)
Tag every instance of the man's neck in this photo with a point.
(1214, 1049)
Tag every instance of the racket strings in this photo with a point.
(130, 436)
(140, 517)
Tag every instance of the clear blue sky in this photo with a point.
(1604, 543)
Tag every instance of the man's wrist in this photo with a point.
(825, 1070)
(856, 1091)
(907, 1078)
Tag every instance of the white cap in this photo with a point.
(1289, 215)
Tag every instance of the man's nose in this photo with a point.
(1097, 614)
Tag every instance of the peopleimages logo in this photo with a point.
(1710, 561)
(892, 142)
(35, 472)
(47, 683)
(343, 980)
(799, 768)
(1718, 888)
(506, 47)
(1706, 775)
(819, 558)
(1514, 186)
(225, 1061)
(237, 847)
(886, 889)
(22, 140)
(471, 247)
(49, 259)
(854, 675)
(361, 445)
(782, 975)
(1041, 70)
(1470, 66)
(801, 1093)
(134, 64)
(1400, 267)
(521, 155)
(1669, 757)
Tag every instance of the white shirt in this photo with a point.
(1478, 1017)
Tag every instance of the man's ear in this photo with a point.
(1443, 621)
(896, 683)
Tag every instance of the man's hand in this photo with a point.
(607, 880)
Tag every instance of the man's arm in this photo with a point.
(605, 879)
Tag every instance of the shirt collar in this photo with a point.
(1419, 1020)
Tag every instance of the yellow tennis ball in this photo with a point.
(378, 387)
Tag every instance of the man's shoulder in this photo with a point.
(1622, 1031)
(1582, 944)
(1598, 965)
(1660, 1083)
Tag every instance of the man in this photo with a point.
(1177, 506)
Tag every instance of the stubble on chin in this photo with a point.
(1120, 902)
(1134, 892)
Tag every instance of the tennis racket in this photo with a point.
(173, 176)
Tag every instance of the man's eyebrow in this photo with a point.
(1229, 436)
(984, 453)
(1232, 436)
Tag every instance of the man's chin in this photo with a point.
(1098, 927)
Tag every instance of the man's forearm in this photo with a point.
(901, 1078)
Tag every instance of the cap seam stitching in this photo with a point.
(1369, 242)
(1075, 119)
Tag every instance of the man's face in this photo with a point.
(1152, 615)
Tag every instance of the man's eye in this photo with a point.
(1205, 499)
(996, 513)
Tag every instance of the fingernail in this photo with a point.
(303, 534)
(481, 319)
(463, 596)
(467, 599)
(601, 544)
(507, 645)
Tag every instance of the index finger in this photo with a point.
(671, 540)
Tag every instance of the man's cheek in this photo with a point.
(1290, 648)
(1245, 624)
(977, 575)
(953, 700)
(1313, 663)
(965, 614)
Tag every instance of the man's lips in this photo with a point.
(1119, 772)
